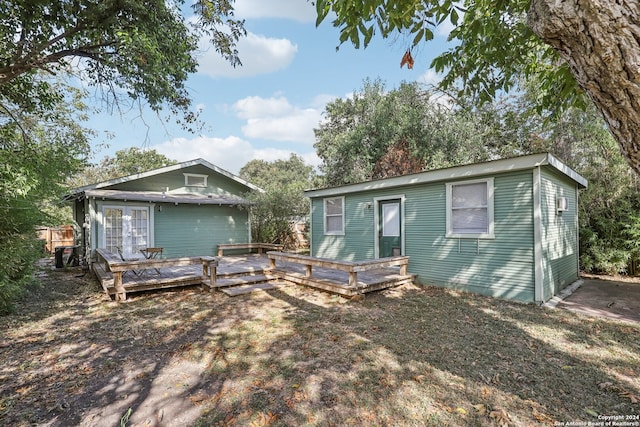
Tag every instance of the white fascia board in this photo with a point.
(452, 173)
(455, 173)
(553, 161)
(170, 168)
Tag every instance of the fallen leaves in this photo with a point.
(498, 415)
(262, 419)
(621, 391)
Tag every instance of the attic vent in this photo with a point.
(195, 180)
(562, 204)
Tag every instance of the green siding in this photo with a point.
(216, 183)
(357, 243)
(559, 233)
(501, 267)
(185, 229)
(191, 230)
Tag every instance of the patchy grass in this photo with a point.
(409, 356)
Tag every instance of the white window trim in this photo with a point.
(195, 175)
(490, 210)
(324, 217)
(376, 221)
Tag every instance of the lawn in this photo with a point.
(292, 356)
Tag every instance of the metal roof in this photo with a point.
(159, 197)
(456, 172)
(165, 169)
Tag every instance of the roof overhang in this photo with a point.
(159, 197)
(457, 172)
(166, 169)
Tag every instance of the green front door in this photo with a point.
(389, 228)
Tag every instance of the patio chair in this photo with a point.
(152, 253)
(137, 273)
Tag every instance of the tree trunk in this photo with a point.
(600, 40)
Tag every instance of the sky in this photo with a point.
(268, 108)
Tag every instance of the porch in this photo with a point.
(241, 274)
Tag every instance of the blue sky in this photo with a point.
(268, 108)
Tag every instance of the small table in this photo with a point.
(152, 253)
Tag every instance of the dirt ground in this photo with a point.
(292, 356)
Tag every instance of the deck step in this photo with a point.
(241, 280)
(245, 289)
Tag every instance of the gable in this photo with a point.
(194, 181)
(175, 181)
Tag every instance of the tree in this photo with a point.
(283, 203)
(144, 48)
(569, 46)
(608, 224)
(379, 133)
(126, 162)
(33, 171)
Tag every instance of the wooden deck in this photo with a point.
(240, 274)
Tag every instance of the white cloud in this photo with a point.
(230, 153)
(255, 106)
(297, 10)
(430, 77)
(259, 55)
(276, 119)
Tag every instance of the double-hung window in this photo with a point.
(470, 209)
(334, 215)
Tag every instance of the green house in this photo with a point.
(187, 209)
(506, 228)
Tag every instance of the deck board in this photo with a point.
(242, 270)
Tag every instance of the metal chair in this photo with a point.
(137, 273)
(152, 253)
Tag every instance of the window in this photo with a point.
(470, 209)
(334, 215)
(195, 180)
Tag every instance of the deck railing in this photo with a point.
(113, 263)
(352, 267)
(250, 246)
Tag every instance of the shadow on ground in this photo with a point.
(292, 356)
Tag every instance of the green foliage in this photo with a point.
(609, 206)
(379, 133)
(129, 161)
(35, 160)
(18, 255)
(492, 47)
(142, 48)
(283, 202)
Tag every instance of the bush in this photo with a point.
(18, 256)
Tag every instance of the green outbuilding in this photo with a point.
(506, 228)
(187, 209)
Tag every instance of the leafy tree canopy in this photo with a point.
(283, 202)
(126, 162)
(493, 50)
(35, 159)
(379, 133)
(282, 173)
(566, 47)
(144, 48)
